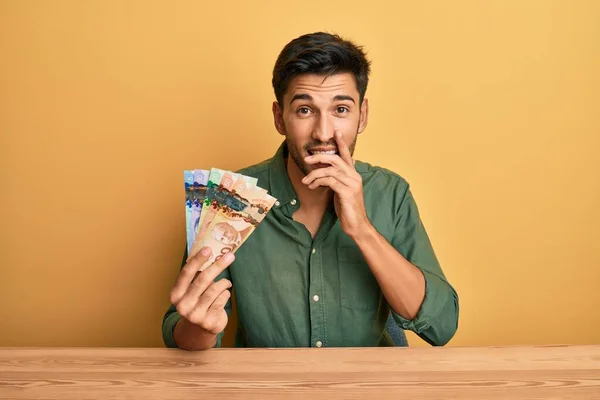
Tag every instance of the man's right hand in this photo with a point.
(199, 299)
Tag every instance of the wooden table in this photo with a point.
(541, 372)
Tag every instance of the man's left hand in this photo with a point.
(341, 176)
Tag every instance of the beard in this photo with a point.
(298, 154)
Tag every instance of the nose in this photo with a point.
(323, 130)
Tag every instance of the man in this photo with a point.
(344, 245)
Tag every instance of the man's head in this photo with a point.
(320, 81)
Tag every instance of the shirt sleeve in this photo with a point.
(171, 317)
(437, 319)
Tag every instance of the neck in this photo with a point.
(310, 199)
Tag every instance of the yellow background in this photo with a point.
(491, 110)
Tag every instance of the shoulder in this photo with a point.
(382, 179)
(387, 197)
(259, 170)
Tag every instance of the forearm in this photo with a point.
(188, 336)
(402, 284)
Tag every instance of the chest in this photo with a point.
(286, 261)
(310, 220)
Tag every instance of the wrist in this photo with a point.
(365, 234)
(189, 336)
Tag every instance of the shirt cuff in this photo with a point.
(168, 328)
(219, 340)
(435, 297)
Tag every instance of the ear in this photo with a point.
(278, 118)
(364, 115)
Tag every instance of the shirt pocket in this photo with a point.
(359, 289)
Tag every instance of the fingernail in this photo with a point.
(228, 257)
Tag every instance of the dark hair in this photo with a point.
(320, 53)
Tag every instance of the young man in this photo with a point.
(343, 246)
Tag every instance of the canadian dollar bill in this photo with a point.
(188, 178)
(223, 208)
(223, 188)
(230, 228)
(199, 193)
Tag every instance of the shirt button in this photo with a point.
(314, 251)
(293, 202)
(319, 343)
(277, 203)
(316, 297)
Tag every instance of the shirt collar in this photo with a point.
(279, 180)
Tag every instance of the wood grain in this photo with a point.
(542, 372)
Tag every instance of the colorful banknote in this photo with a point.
(200, 181)
(229, 228)
(195, 190)
(189, 187)
(224, 187)
(232, 206)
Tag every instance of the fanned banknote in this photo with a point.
(199, 193)
(230, 228)
(231, 202)
(195, 189)
(189, 187)
(219, 184)
(224, 187)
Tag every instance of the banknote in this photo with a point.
(223, 188)
(219, 181)
(224, 185)
(229, 228)
(199, 193)
(188, 177)
(260, 204)
(222, 210)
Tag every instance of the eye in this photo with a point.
(303, 111)
(342, 109)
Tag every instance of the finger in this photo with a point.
(187, 273)
(221, 300)
(331, 159)
(213, 317)
(196, 248)
(328, 181)
(329, 171)
(343, 149)
(214, 269)
(206, 278)
(208, 296)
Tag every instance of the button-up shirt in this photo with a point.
(293, 290)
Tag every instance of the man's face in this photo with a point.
(313, 108)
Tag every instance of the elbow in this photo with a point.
(448, 326)
(444, 337)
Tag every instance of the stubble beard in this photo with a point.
(297, 154)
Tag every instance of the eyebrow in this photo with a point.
(302, 96)
(339, 97)
(342, 97)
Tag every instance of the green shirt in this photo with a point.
(295, 291)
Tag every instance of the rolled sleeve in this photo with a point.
(437, 319)
(170, 320)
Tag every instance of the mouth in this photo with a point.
(313, 152)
